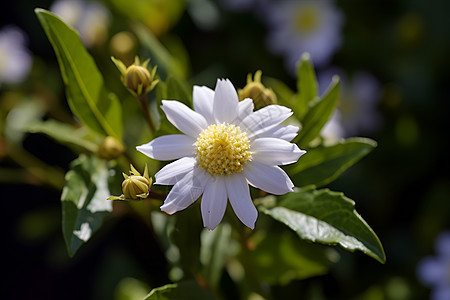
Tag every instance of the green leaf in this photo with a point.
(306, 85)
(24, 113)
(285, 96)
(323, 164)
(89, 100)
(318, 114)
(65, 134)
(130, 288)
(216, 247)
(160, 55)
(172, 89)
(83, 199)
(326, 217)
(280, 257)
(185, 290)
(178, 90)
(186, 236)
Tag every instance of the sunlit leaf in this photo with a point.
(20, 116)
(64, 133)
(280, 257)
(130, 289)
(326, 217)
(186, 236)
(318, 114)
(159, 16)
(285, 95)
(306, 85)
(171, 89)
(216, 247)
(87, 96)
(83, 199)
(185, 290)
(323, 164)
(160, 55)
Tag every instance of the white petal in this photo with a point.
(287, 133)
(203, 98)
(168, 147)
(262, 120)
(226, 102)
(214, 202)
(172, 173)
(271, 179)
(245, 108)
(239, 195)
(272, 151)
(186, 191)
(184, 118)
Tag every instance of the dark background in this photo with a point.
(402, 189)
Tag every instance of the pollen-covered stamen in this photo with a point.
(222, 149)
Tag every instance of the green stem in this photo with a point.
(146, 110)
(246, 261)
(41, 171)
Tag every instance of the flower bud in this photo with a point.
(135, 186)
(255, 90)
(110, 148)
(137, 78)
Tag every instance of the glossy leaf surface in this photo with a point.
(84, 204)
(326, 217)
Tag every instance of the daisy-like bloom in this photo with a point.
(312, 26)
(15, 58)
(225, 147)
(89, 19)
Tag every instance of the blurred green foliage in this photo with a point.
(401, 189)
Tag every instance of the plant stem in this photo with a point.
(246, 260)
(146, 110)
(39, 170)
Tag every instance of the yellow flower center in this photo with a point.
(222, 149)
(307, 19)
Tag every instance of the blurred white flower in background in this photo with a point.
(357, 112)
(90, 19)
(435, 271)
(333, 130)
(15, 58)
(295, 27)
(239, 5)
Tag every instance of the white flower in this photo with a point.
(312, 26)
(225, 147)
(90, 19)
(15, 58)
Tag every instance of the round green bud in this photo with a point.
(255, 90)
(110, 148)
(261, 95)
(135, 187)
(137, 79)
